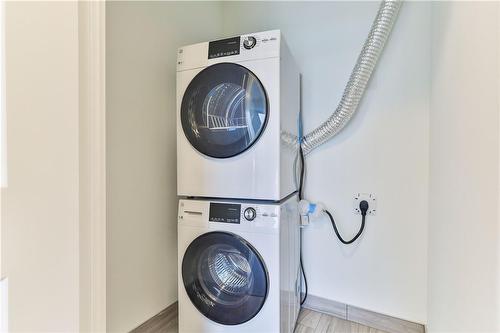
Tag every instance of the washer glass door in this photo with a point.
(224, 277)
(224, 110)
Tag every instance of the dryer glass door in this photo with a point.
(224, 110)
(225, 278)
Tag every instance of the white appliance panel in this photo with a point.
(264, 171)
(269, 234)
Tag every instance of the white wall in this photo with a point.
(464, 169)
(40, 206)
(142, 42)
(384, 150)
(412, 138)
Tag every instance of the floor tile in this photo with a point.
(309, 318)
(308, 322)
(303, 329)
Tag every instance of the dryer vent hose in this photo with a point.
(353, 92)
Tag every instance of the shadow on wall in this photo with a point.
(142, 41)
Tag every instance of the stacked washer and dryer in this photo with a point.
(238, 100)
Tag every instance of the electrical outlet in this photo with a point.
(370, 198)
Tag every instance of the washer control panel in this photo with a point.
(231, 216)
(224, 212)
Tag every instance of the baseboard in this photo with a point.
(327, 306)
(362, 316)
(319, 304)
(164, 321)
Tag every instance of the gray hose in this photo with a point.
(353, 92)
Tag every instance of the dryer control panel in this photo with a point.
(258, 45)
(235, 45)
(224, 47)
(232, 46)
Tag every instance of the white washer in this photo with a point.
(238, 266)
(237, 98)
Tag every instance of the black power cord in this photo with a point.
(302, 172)
(363, 207)
(301, 187)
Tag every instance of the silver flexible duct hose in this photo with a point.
(353, 92)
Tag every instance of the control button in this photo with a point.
(249, 42)
(250, 214)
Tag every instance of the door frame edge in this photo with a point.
(92, 238)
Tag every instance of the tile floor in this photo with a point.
(309, 322)
(314, 322)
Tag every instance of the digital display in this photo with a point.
(224, 47)
(225, 213)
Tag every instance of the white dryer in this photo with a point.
(237, 99)
(238, 266)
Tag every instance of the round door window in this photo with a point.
(224, 110)
(225, 278)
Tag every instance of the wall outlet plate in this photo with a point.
(372, 203)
